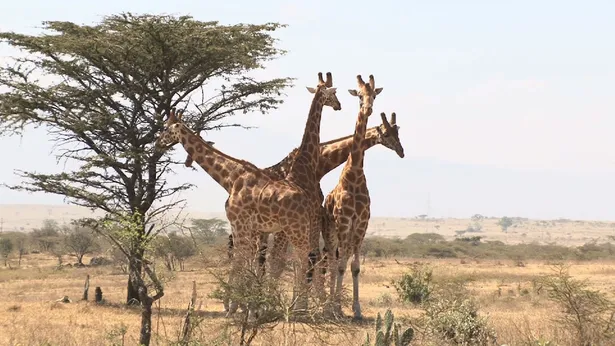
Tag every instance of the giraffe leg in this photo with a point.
(342, 263)
(278, 255)
(319, 267)
(355, 266)
(355, 269)
(302, 265)
(330, 258)
(244, 251)
(262, 253)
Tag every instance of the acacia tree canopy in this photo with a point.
(100, 90)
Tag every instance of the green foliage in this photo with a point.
(388, 332)
(206, 231)
(106, 86)
(117, 335)
(585, 313)
(455, 320)
(505, 222)
(174, 249)
(474, 240)
(80, 241)
(430, 245)
(6, 247)
(415, 286)
(48, 236)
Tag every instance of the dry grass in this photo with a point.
(29, 314)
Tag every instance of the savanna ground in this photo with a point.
(502, 272)
(505, 291)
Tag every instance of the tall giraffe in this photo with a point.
(332, 154)
(257, 203)
(324, 95)
(302, 171)
(347, 207)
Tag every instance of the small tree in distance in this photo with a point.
(6, 246)
(48, 236)
(79, 241)
(505, 222)
(207, 230)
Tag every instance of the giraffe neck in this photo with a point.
(224, 169)
(355, 159)
(302, 170)
(332, 154)
(336, 152)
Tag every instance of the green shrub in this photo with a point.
(455, 320)
(587, 314)
(415, 286)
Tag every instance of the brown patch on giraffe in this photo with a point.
(251, 182)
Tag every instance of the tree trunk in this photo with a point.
(146, 320)
(86, 288)
(134, 268)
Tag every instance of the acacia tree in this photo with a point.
(106, 87)
(6, 246)
(79, 241)
(207, 230)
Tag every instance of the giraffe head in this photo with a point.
(367, 93)
(328, 91)
(171, 134)
(388, 134)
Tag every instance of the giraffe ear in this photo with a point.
(378, 91)
(311, 90)
(353, 92)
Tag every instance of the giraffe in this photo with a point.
(332, 154)
(282, 169)
(257, 203)
(347, 206)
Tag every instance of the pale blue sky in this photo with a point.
(505, 108)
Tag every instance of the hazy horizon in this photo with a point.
(505, 109)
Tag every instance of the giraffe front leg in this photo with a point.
(355, 268)
(330, 258)
(244, 252)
